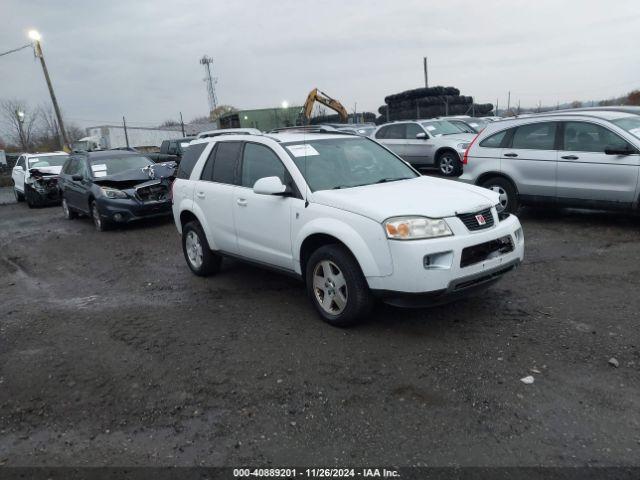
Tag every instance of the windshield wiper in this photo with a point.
(385, 180)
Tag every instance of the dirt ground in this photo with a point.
(113, 353)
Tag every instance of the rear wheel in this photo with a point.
(449, 163)
(508, 198)
(336, 286)
(201, 260)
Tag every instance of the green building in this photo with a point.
(263, 119)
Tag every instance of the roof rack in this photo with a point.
(311, 129)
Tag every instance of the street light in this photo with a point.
(285, 104)
(35, 37)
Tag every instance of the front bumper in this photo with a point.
(436, 271)
(48, 195)
(125, 210)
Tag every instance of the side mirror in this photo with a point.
(270, 186)
(618, 151)
(421, 136)
(77, 177)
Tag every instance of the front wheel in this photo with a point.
(508, 198)
(201, 260)
(449, 164)
(19, 196)
(100, 223)
(336, 286)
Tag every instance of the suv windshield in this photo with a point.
(102, 167)
(441, 127)
(630, 124)
(346, 162)
(47, 161)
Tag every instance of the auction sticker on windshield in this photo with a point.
(304, 150)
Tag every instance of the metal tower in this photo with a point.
(211, 82)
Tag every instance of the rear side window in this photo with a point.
(189, 159)
(222, 164)
(259, 162)
(536, 136)
(392, 131)
(589, 137)
(495, 140)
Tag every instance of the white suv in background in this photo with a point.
(35, 177)
(345, 215)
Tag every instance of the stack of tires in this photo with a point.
(428, 103)
(366, 117)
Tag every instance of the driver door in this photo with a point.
(18, 173)
(418, 151)
(263, 222)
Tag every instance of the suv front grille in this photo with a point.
(153, 193)
(477, 220)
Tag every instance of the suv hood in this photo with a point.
(424, 196)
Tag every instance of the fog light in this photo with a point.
(438, 261)
(118, 217)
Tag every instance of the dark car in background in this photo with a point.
(175, 147)
(115, 187)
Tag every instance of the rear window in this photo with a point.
(191, 155)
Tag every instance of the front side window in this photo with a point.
(105, 166)
(259, 161)
(20, 162)
(589, 137)
(336, 163)
(413, 130)
(536, 136)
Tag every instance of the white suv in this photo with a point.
(35, 177)
(344, 214)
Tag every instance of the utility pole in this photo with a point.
(426, 72)
(37, 48)
(20, 119)
(182, 125)
(496, 111)
(518, 107)
(509, 102)
(126, 136)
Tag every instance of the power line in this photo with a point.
(15, 50)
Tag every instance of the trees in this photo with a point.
(633, 98)
(220, 111)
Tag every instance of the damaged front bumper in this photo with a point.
(147, 200)
(43, 191)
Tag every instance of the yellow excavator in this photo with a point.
(316, 95)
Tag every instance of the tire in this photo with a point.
(200, 259)
(449, 164)
(100, 223)
(509, 201)
(19, 196)
(69, 213)
(336, 286)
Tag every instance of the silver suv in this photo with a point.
(426, 143)
(580, 159)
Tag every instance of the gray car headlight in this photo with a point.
(113, 192)
(412, 228)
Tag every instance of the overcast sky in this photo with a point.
(140, 59)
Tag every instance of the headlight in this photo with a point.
(113, 193)
(462, 146)
(412, 228)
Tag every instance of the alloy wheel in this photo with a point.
(330, 287)
(194, 249)
(503, 201)
(447, 164)
(96, 217)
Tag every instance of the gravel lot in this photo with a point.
(113, 353)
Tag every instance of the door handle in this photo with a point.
(510, 154)
(200, 194)
(569, 157)
(242, 202)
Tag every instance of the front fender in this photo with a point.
(373, 255)
(193, 208)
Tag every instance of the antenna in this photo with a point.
(211, 82)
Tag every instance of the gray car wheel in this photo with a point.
(449, 164)
(200, 259)
(508, 197)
